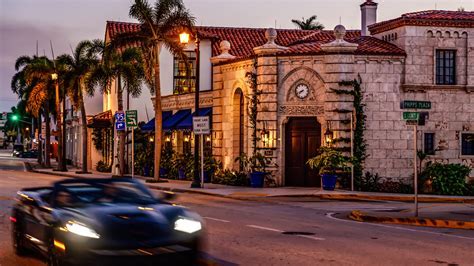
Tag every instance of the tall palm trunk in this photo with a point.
(121, 134)
(158, 116)
(84, 134)
(40, 142)
(47, 148)
(59, 129)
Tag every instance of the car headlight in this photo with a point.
(187, 225)
(82, 230)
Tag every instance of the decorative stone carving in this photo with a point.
(225, 55)
(301, 110)
(270, 47)
(339, 45)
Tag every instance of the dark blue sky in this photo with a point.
(66, 22)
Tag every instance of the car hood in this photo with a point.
(126, 221)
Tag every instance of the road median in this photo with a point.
(427, 222)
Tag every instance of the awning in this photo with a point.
(175, 119)
(150, 126)
(101, 120)
(187, 123)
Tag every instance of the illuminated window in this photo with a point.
(185, 74)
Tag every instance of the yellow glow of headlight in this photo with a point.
(145, 208)
(81, 230)
(187, 226)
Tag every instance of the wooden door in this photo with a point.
(303, 138)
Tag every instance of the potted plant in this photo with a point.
(210, 167)
(328, 162)
(180, 163)
(255, 166)
(166, 161)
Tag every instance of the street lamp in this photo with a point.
(184, 39)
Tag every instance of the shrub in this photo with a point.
(447, 179)
(226, 177)
(103, 167)
(395, 187)
(370, 182)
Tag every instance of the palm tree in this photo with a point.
(308, 24)
(76, 71)
(159, 26)
(34, 84)
(125, 65)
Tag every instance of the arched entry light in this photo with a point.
(328, 135)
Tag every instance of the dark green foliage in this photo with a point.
(308, 24)
(360, 145)
(369, 182)
(227, 177)
(103, 167)
(343, 140)
(447, 179)
(253, 105)
(328, 161)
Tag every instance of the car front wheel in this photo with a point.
(18, 241)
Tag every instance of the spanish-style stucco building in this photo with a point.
(424, 56)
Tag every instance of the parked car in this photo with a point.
(17, 149)
(29, 154)
(96, 221)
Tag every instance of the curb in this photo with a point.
(439, 223)
(30, 168)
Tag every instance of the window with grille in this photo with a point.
(445, 67)
(429, 143)
(467, 143)
(184, 72)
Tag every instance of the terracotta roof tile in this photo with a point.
(438, 18)
(243, 40)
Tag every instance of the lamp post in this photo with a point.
(184, 39)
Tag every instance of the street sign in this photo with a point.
(4, 116)
(131, 118)
(201, 125)
(415, 105)
(119, 116)
(2, 123)
(411, 116)
(120, 126)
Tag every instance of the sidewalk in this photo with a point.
(248, 192)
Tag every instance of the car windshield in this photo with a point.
(86, 193)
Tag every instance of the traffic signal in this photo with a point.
(15, 117)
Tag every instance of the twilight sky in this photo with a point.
(66, 22)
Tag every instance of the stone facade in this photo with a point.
(386, 81)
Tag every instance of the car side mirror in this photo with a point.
(168, 195)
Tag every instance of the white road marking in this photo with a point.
(265, 228)
(330, 215)
(215, 219)
(312, 237)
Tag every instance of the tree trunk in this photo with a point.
(84, 135)
(121, 155)
(59, 129)
(40, 142)
(158, 116)
(47, 148)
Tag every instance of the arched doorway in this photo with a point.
(238, 125)
(302, 140)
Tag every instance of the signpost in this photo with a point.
(413, 119)
(131, 119)
(201, 127)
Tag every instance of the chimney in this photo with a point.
(369, 16)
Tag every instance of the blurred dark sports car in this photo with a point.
(95, 221)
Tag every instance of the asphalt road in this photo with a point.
(280, 231)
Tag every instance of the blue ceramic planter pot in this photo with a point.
(257, 178)
(181, 174)
(329, 181)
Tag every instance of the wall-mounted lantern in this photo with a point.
(328, 135)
